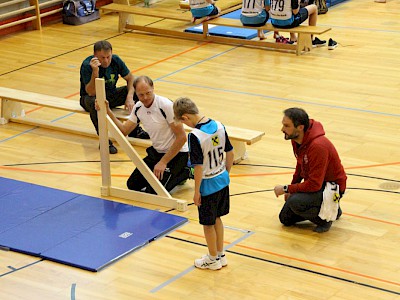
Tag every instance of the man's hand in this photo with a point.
(129, 104)
(95, 63)
(279, 190)
(97, 106)
(159, 169)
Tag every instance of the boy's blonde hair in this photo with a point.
(184, 105)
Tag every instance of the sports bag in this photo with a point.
(322, 8)
(76, 12)
(321, 5)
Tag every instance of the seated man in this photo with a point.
(168, 156)
(104, 64)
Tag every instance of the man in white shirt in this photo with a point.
(168, 156)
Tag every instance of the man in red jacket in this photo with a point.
(317, 163)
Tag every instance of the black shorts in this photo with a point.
(214, 11)
(214, 206)
(298, 19)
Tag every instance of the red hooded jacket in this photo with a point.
(317, 162)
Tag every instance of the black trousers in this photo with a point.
(302, 206)
(114, 100)
(176, 172)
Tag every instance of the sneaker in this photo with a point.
(139, 133)
(323, 228)
(223, 260)
(318, 43)
(339, 214)
(282, 40)
(332, 44)
(112, 149)
(206, 263)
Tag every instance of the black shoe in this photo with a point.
(331, 44)
(139, 133)
(339, 213)
(318, 43)
(323, 228)
(112, 149)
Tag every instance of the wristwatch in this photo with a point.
(285, 188)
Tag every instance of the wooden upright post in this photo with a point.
(103, 136)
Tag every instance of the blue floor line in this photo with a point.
(191, 268)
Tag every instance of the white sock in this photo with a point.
(212, 257)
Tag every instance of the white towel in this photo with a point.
(330, 202)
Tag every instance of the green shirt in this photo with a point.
(109, 74)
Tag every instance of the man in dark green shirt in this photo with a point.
(104, 64)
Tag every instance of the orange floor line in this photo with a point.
(372, 219)
(298, 259)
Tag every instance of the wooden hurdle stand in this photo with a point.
(106, 125)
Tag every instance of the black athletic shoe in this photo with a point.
(323, 228)
(318, 43)
(139, 133)
(112, 149)
(331, 44)
(339, 213)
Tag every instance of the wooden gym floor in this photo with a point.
(353, 90)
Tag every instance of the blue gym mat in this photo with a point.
(239, 33)
(73, 229)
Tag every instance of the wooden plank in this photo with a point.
(149, 12)
(89, 132)
(166, 32)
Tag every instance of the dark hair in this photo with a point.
(298, 117)
(143, 78)
(102, 45)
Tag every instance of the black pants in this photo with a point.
(302, 206)
(114, 100)
(176, 173)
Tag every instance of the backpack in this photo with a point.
(76, 12)
(322, 8)
(321, 5)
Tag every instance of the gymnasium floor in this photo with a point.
(353, 90)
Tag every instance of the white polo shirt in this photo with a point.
(156, 124)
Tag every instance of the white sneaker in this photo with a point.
(223, 260)
(206, 263)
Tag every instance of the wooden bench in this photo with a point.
(13, 111)
(304, 41)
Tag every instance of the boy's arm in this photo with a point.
(229, 160)
(295, 6)
(198, 176)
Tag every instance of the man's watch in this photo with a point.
(285, 188)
